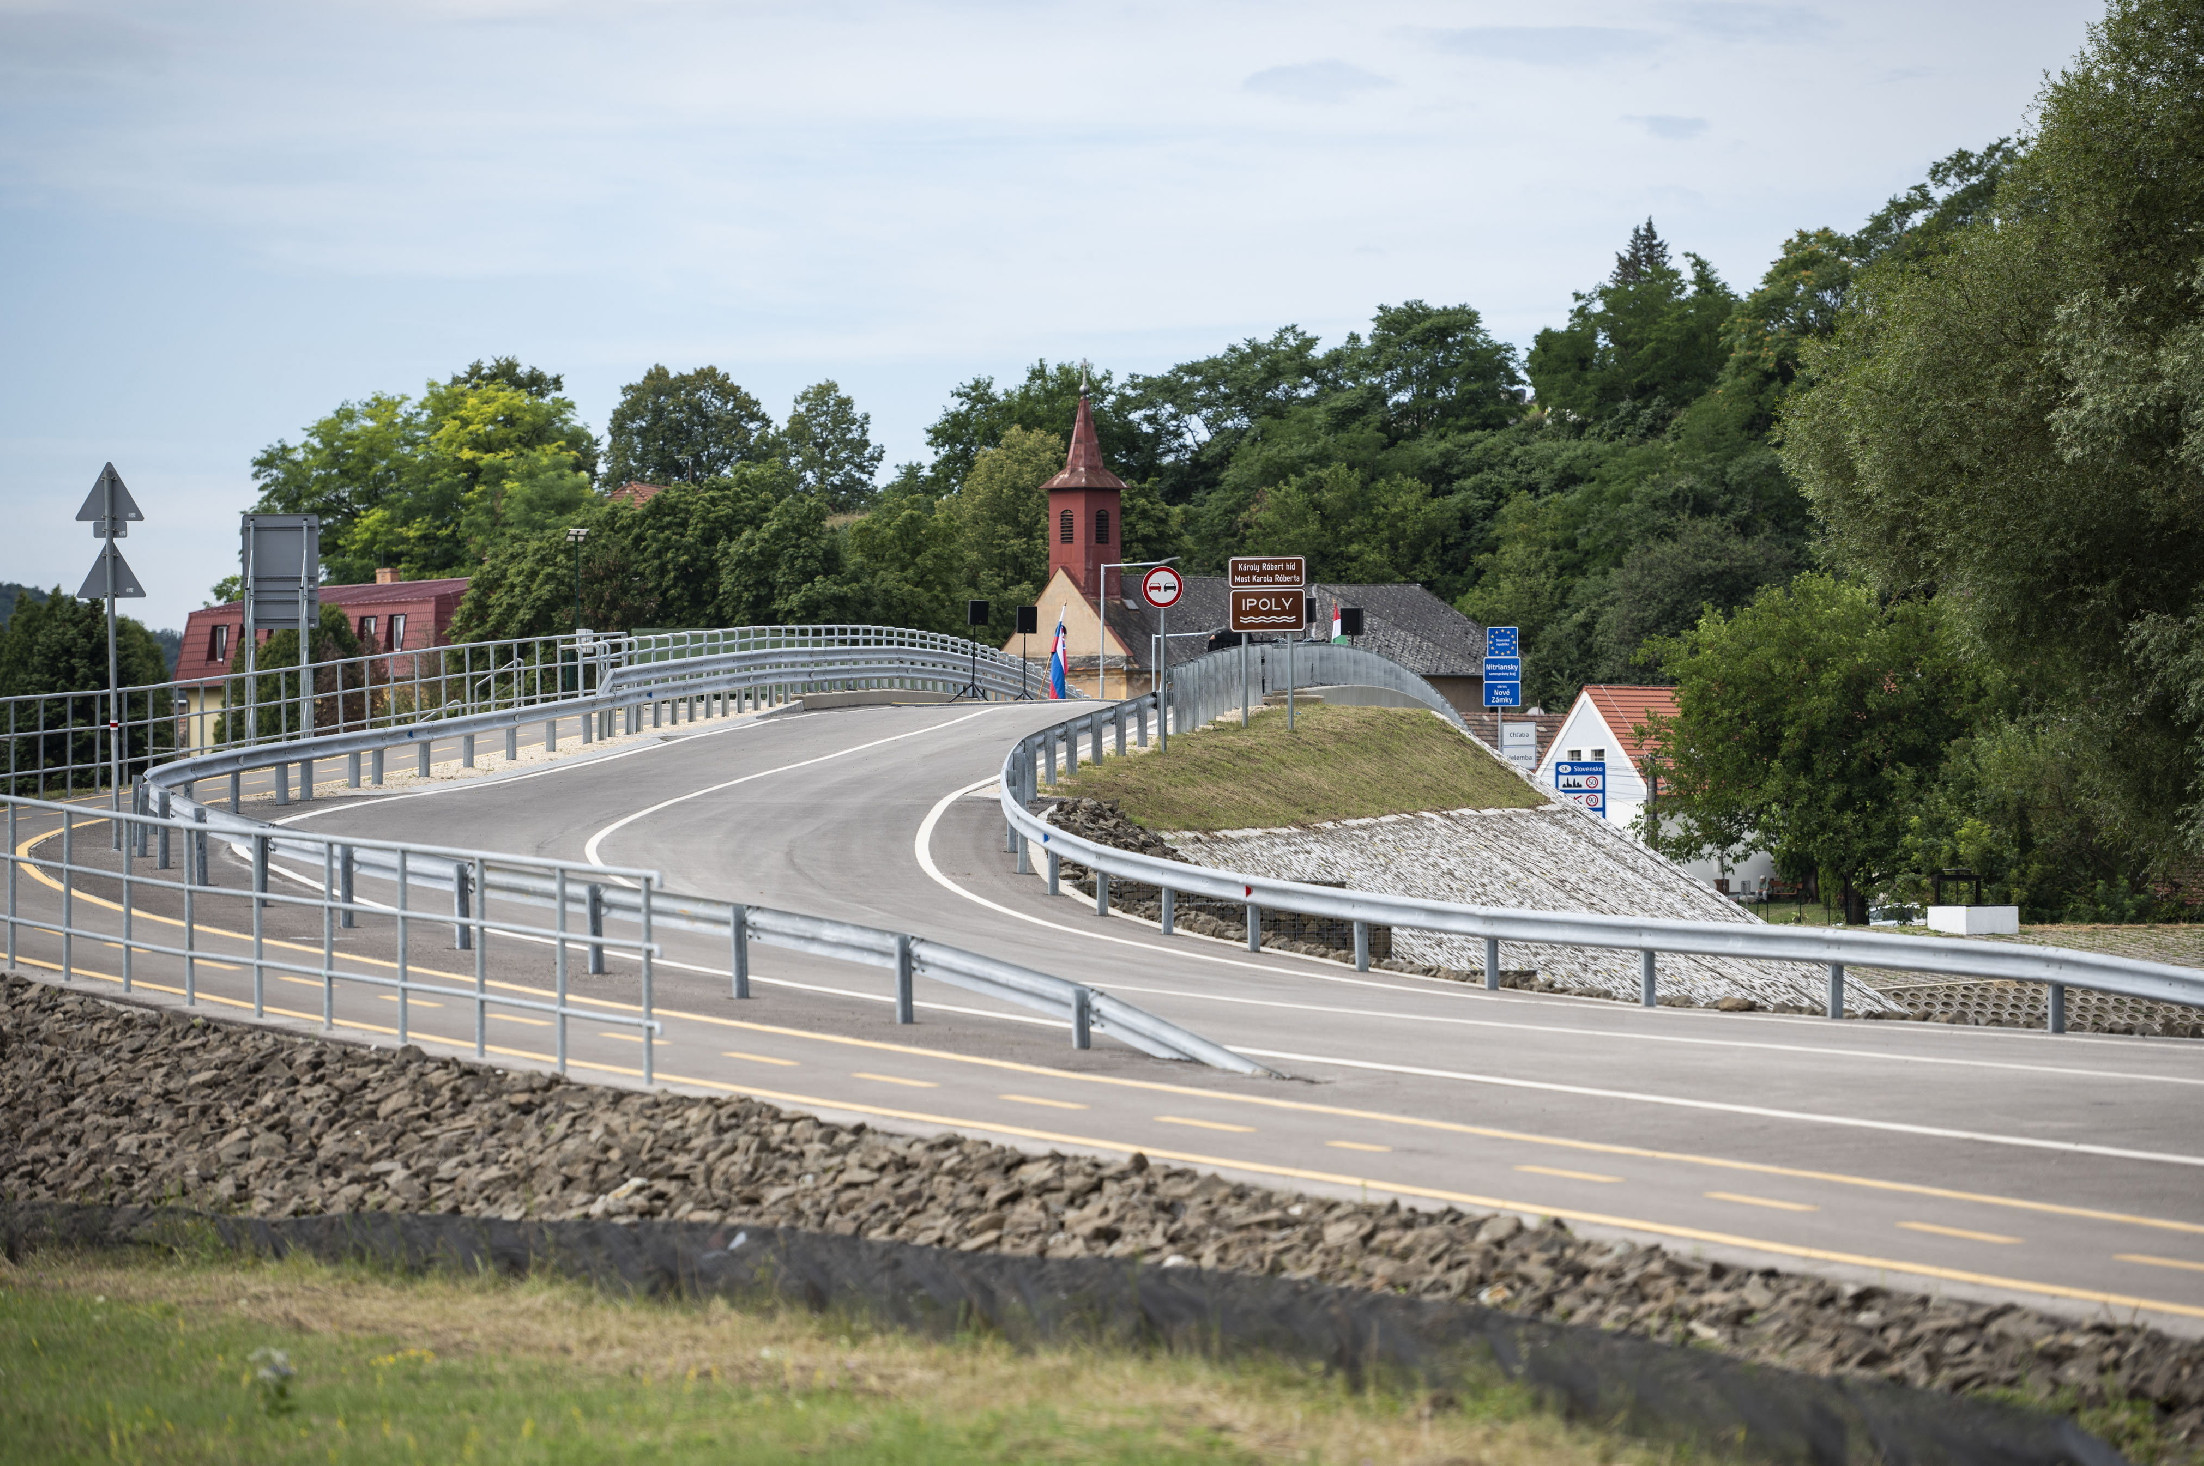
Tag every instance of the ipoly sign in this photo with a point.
(1162, 587)
(1268, 610)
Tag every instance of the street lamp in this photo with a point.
(575, 534)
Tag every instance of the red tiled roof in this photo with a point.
(1083, 465)
(636, 493)
(1625, 710)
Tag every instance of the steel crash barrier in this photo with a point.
(167, 840)
(1201, 691)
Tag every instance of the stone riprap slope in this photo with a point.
(102, 1102)
(1548, 859)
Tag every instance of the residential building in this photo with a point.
(1611, 726)
(390, 615)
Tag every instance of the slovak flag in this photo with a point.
(1059, 660)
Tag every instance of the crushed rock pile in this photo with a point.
(108, 1103)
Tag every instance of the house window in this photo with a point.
(367, 631)
(1101, 526)
(1599, 755)
(218, 642)
(1576, 755)
(1067, 527)
(397, 632)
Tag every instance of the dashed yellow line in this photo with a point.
(897, 1079)
(1205, 1124)
(2148, 1261)
(1767, 1201)
(1961, 1233)
(1571, 1175)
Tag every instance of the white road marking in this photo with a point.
(1936, 1132)
(589, 850)
(924, 853)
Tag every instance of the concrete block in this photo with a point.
(1975, 921)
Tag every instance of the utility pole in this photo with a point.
(109, 508)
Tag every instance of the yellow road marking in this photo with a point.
(1456, 1198)
(411, 1001)
(516, 1018)
(1960, 1232)
(2147, 1260)
(1569, 1175)
(759, 1058)
(897, 1079)
(1767, 1201)
(1357, 1145)
(1034, 1099)
(631, 1038)
(1205, 1124)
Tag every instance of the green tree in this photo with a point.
(1649, 337)
(980, 414)
(58, 645)
(2014, 417)
(1809, 722)
(677, 428)
(1351, 529)
(828, 443)
(428, 486)
(1002, 513)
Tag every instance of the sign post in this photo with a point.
(1266, 596)
(109, 508)
(1161, 588)
(1503, 677)
(282, 563)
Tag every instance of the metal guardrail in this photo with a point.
(582, 897)
(1033, 762)
(1206, 688)
(61, 742)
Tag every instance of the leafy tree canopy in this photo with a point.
(685, 427)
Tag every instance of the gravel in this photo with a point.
(110, 1103)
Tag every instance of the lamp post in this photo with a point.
(575, 534)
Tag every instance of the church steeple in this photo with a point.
(1083, 511)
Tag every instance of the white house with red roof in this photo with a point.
(1604, 760)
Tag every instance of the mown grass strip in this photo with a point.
(1336, 763)
(161, 1359)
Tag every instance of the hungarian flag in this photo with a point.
(1059, 660)
(1337, 636)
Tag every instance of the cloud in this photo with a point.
(1746, 20)
(1316, 81)
(1545, 45)
(1671, 127)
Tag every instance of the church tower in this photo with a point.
(1083, 510)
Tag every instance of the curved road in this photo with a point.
(2066, 1172)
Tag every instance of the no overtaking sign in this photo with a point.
(1162, 587)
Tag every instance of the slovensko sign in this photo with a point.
(1162, 587)
(1268, 610)
(1267, 572)
(1583, 783)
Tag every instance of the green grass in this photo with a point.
(1338, 763)
(155, 1360)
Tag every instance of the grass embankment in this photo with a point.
(155, 1360)
(1338, 763)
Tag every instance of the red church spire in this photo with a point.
(1083, 465)
(1084, 522)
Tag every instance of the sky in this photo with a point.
(218, 222)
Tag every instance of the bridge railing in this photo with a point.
(1038, 760)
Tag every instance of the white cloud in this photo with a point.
(1668, 126)
(1316, 81)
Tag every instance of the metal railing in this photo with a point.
(791, 661)
(1206, 688)
(1034, 763)
(60, 743)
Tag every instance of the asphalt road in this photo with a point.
(2067, 1172)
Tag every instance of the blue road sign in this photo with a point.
(1503, 669)
(1584, 783)
(1501, 641)
(1503, 694)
